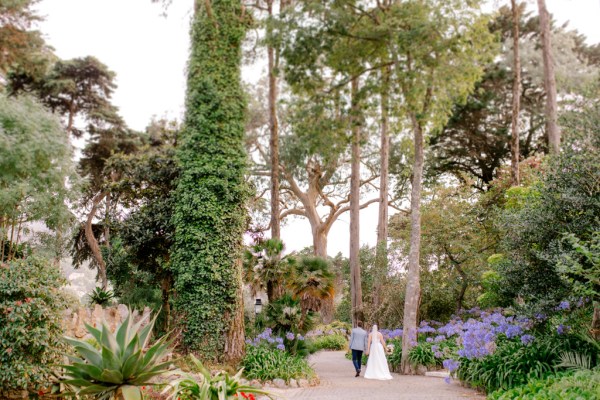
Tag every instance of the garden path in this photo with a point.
(338, 382)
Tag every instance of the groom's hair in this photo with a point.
(359, 324)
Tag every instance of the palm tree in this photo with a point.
(311, 282)
(265, 268)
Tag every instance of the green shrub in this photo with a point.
(31, 306)
(583, 385)
(264, 363)
(422, 354)
(512, 364)
(121, 365)
(208, 387)
(395, 358)
(328, 342)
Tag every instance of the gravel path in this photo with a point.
(338, 382)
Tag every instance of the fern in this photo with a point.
(575, 361)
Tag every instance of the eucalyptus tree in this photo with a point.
(440, 50)
(552, 129)
(210, 216)
(516, 95)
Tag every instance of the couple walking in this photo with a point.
(373, 345)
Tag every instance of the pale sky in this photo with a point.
(148, 52)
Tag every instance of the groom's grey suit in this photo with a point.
(358, 344)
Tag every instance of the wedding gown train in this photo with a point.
(377, 366)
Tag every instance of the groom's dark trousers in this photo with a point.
(357, 359)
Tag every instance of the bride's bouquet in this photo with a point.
(389, 349)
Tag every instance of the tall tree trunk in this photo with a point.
(319, 241)
(355, 282)
(274, 133)
(234, 341)
(93, 243)
(413, 286)
(552, 129)
(165, 285)
(514, 144)
(382, 221)
(596, 321)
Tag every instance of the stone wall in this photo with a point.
(74, 320)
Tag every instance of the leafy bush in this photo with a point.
(31, 306)
(264, 363)
(512, 364)
(101, 297)
(218, 387)
(584, 385)
(328, 342)
(122, 364)
(395, 358)
(422, 354)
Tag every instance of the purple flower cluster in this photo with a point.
(266, 338)
(391, 334)
(451, 365)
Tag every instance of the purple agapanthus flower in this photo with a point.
(526, 339)
(289, 336)
(280, 347)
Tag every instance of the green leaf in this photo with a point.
(131, 392)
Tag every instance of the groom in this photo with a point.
(358, 344)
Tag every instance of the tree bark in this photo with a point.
(516, 96)
(274, 134)
(165, 285)
(355, 281)
(413, 286)
(382, 222)
(235, 341)
(596, 321)
(93, 243)
(552, 129)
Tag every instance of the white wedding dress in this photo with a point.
(377, 366)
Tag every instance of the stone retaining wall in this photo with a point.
(74, 320)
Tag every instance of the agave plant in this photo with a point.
(219, 387)
(120, 366)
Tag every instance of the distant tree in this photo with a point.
(516, 95)
(552, 129)
(145, 188)
(22, 50)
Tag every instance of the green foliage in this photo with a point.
(582, 385)
(35, 163)
(123, 363)
(396, 357)
(222, 386)
(328, 342)
(566, 200)
(512, 364)
(265, 267)
(31, 310)
(422, 354)
(264, 363)
(101, 297)
(284, 314)
(210, 214)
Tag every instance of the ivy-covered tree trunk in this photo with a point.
(210, 215)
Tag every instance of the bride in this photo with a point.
(377, 366)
